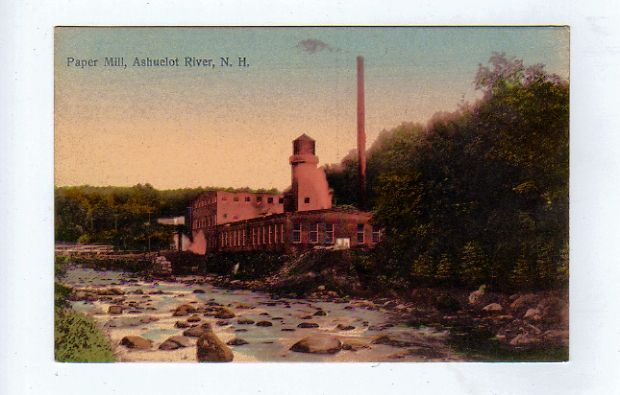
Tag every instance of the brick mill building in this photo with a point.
(301, 218)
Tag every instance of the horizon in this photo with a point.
(189, 127)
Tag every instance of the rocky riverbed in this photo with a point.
(163, 320)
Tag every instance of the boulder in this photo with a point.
(523, 302)
(210, 348)
(199, 291)
(236, 342)
(245, 321)
(493, 308)
(184, 309)
(196, 331)
(342, 327)
(525, 339)
(532, 315)
(308, 325)
(318, 344)
(476, 296)
(181, 324)
(553, 310)
(182, 341)
(224, 313)
(115, 309)
(264, 323)
(320, 313)
(193, 318)
(354, 344)
(222, 323)
(136, 342)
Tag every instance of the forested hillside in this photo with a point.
(475, 196)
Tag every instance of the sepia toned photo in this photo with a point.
(311, 194)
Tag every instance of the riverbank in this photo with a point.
(144, 316)
(479, 325)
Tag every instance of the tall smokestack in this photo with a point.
(361, 132)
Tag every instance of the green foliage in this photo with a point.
(474, 265)
(124, 217)
(483, 191)
(61, 295)
(78, 339)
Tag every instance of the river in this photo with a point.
(148, 308)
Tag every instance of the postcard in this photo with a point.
(311, 194)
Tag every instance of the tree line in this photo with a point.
(125, 217)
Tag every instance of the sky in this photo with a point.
(176, 127)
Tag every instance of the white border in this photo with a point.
(26, 204)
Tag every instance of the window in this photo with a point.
(296, 233)
(275, 234)
(314, 233)
(225, 215)
(270, 234)
(253, 236)
(243, 235)
(247, 199)
(360, 233)
(329, 233)
(306, 200)
(282, 233)
(259, 199)
(264, 235)
(376, 234)
(236, 198)
(281, 200)
(270, 200)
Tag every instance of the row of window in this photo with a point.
(259, 235)
(259, 199)
(203, 222)
(274, 234)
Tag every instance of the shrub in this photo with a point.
(77, 338)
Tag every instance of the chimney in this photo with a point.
(361, 133)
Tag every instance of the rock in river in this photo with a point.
(136, 342)
(308, 325)
(342, 327)
(264, 323)
(115, 309)
(196, 331)
(174, 342)
(194, 318)
(184, 309)
(210, 348)
(225, 313)
(236, 342)
(318, 344)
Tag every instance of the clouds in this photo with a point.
(313, 46)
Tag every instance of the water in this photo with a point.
(150, 316)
